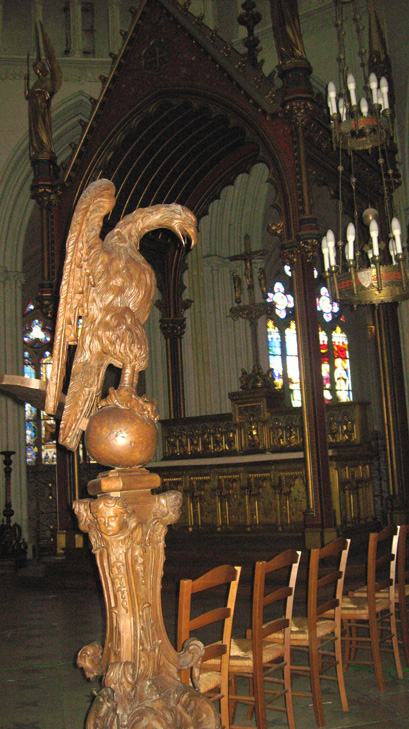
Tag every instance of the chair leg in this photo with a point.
(340, 672)
(316, 683)
(353, 640)
(232, 703)
(347, 643)
(259, 698)
(224, 705)
(376, 652)
(395, 644)
(288, 695)
(403, 614)
(250, 710)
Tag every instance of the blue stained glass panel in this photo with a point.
(31, 434)
(274, 353)
(29, 369)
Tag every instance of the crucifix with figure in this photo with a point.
(252, 311)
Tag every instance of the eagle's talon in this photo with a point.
(125, 397)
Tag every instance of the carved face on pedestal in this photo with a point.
(111, 515)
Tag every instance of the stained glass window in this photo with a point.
(30, 416)
(283, 302)
(325, 305)
(325, 365)
(283, 350)
(40, 427)
(48, 426)
(293, 370)
(29, 369)
(342, 371)
(274, 353)
(36, 333)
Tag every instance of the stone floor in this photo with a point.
(44, 623)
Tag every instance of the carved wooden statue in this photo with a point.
(287, 30)
(110, 286)
(39, 97)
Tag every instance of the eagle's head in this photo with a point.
(182, 221)
(173, 217)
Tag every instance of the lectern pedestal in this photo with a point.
(127, 524)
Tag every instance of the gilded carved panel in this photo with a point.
(245, 498)
(253, 429)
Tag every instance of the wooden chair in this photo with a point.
(402, 591)
(256, 658)
(214, 674)
(372, 607)
(319, 634)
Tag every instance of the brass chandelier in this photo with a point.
(363, 269)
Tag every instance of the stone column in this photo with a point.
(12, 430)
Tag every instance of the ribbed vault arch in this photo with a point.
(181, 146)
(173, 150)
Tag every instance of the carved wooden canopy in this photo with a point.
(179, 117)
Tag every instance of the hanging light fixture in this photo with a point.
(369, 270)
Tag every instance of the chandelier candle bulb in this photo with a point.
(331, 247)
(342, 110)
(383, 85)
(349, 248)
(325, 253)
(351, 88)
(364, 106)
(373, 232)
(346, 253)
(396, 232)
(380, 99)
(332, 98)
(392, 250)
(373, 85)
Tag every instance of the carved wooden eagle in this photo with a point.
(111, 287)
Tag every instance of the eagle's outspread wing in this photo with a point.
(97, 200)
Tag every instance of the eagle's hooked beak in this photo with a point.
(186, 232)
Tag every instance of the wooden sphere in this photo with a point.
(120, 438)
